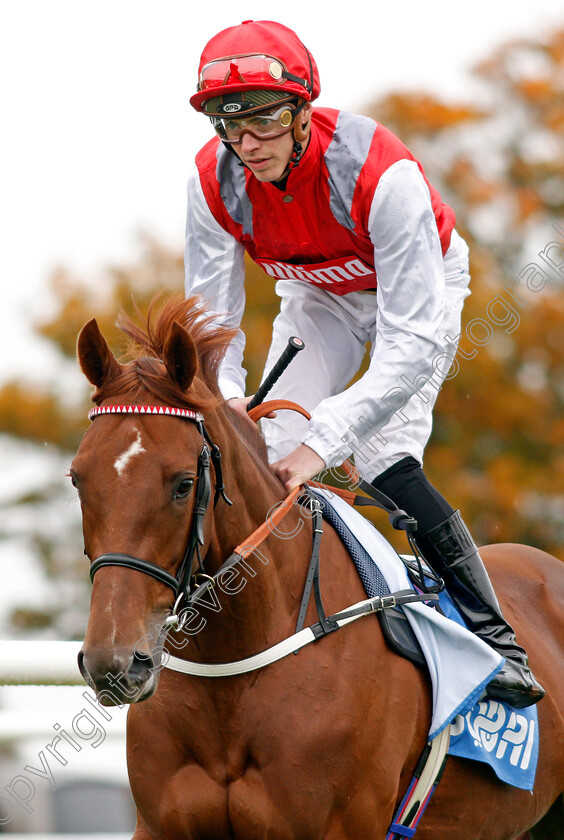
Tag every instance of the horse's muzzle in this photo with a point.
(119, 678)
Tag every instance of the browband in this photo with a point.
(163, 410)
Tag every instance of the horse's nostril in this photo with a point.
(83, 669)
(141, 667)
(80, 661)
(140, 656)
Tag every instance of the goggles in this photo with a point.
(264, 126)
(255, 70)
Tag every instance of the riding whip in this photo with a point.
(292, 349)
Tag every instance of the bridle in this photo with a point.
(182, 583)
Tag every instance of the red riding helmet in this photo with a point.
(256, 55)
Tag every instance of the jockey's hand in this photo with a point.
(297, 467)
(239, 404)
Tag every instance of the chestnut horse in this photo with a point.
(318, 745)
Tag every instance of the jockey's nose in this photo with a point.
(249, 143)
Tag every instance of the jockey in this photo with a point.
(339, 212)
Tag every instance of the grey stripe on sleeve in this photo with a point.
(345, 157)
(231, 179)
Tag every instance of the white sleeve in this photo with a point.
(409, 312)
(215, 270)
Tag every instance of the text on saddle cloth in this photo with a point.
(495, 733)
(488, 731)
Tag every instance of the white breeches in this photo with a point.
(335, 331)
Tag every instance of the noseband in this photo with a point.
(181, 583)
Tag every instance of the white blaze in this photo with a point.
(135, 449)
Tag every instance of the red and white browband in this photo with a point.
(162, 410)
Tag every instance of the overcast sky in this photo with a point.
(98, 136)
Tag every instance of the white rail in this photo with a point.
(39, 663)
(100, 836)
(30, 722)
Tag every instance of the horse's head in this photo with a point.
(144, 481)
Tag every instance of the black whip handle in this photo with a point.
(293, 347)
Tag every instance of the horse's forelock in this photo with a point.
(145, 348)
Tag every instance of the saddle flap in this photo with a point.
(400, 637)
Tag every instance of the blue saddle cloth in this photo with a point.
(492, 732)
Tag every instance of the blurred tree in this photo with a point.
(498, 447)
(498, 444)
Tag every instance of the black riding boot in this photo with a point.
(451, 552)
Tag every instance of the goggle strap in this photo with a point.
(291, 78)
(309, 85)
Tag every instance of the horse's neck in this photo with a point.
(258, 596)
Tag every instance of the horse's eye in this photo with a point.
(184, 488)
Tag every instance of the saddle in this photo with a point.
(395, 626)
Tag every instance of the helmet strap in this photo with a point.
(297, 152)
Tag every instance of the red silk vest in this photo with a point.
(316, 230)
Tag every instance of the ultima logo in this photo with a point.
(231, 107)
(340, 275)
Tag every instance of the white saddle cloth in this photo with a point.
(460, 664)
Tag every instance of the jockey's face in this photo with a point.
(268, 159)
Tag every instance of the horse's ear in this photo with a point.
(97, 361)
(180, 356)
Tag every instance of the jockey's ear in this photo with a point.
(180, 356)
(302, 127)
(97, 361)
